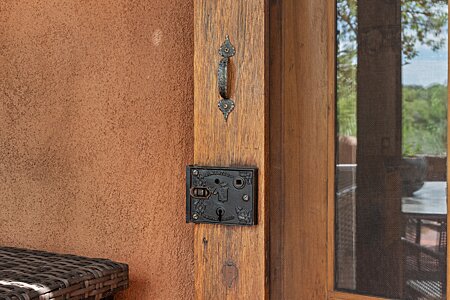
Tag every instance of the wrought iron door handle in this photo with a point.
(222, 77)
(227, 50)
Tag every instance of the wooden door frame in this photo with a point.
(281, 81)
(284, 80)
(301, 106)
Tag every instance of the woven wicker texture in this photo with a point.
(425, 267)
(29, 274)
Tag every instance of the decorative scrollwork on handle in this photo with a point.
(226, 105)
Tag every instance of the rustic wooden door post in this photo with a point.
(280, 83)
(230, 261)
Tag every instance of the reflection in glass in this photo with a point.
(391, 137)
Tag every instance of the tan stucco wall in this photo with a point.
(95, 130)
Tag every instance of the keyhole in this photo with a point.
(220, 212)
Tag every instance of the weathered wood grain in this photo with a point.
(299, 104)
(230, 261)
(332, 51)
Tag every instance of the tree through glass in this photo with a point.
(391, 141)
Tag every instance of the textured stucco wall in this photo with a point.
(95, 130)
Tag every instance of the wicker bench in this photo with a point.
(29, 275)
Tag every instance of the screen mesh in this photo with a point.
(391, 148)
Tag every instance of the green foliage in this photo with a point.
(424, 108)
(423, 23)
(346, 94)
(424, 119)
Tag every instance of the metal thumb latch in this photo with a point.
(226, 105)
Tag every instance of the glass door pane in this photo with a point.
(391, 141)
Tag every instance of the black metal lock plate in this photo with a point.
(221, 195)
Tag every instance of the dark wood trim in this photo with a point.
(299, 111)
(276, 191)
